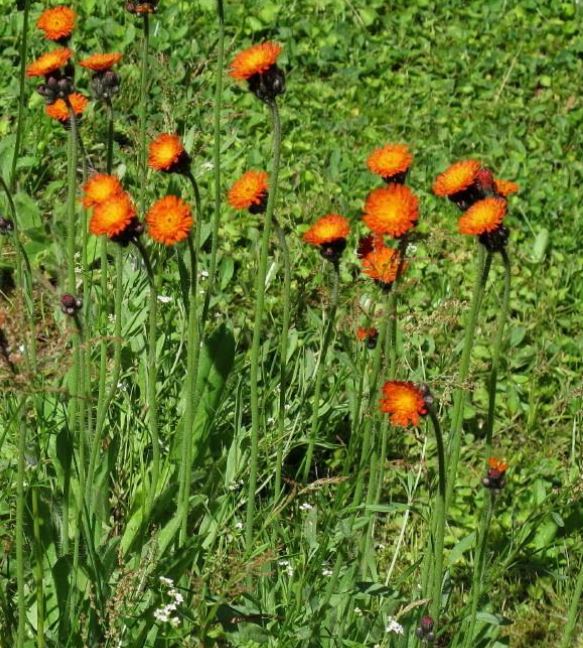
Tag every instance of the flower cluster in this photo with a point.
(482, 199)
(167, 613)
(113, 210)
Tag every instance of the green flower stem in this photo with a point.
(459, 401)
(38, 572)
(21, 95)
(439, 519)
(216, 161)
(152, 393)
(143, 159)
(282, 356)
(110, 134)
(259, 307)
(320, 370)
(496, 352)
(20, 524)
(103, 406)
(572, 614)
(192, 362)
(479, 562)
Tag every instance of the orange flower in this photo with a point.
(249, 190)
(254, 60)
(391, 210)
(57, 23)
(49, 62)
(169, 220)
(59, 110)
(505, 187)
(112, 216)
(404, 402)
(166, 153)
(499, 465)
(382, 264)
(389, 161)
(483, 216)
(364, 334)
(456, 178)
(100, 62)
(99, 188)
(328, 229)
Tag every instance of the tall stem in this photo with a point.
(496, 352)
(259, 307)
(38, 577)
(478, 572)
(320, 372)
(192, 362)
(482, 271)
(282, 356)
(21, 95)
(573, 609)
(20, 525)
(143, 168)
(440, 519)
(216, 160)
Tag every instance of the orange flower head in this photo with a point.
(391, 162)
(101, 62)
(49, 62)
(328, 229)
(456, 178)
(404, 402)
(391, 210)
(57, 23)
(382, 264)
(166, 153)
(368, 335)
(249, 191)
(497, 464)
(113, 216)
(169, 220)
(60, 111)
(505, 188)
(254, 60)
(483, 217)
(99, 188)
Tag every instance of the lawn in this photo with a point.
(156, 446)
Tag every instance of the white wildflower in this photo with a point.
(394, 627)
(164, 299)
(306, 507)
(167, 582)
(327, 572)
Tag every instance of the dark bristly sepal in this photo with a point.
(268, 85)
(333, 250)
(495, 241)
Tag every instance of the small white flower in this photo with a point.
(411, 249)
(161, 615)
(357, 611)
(327, 572)
(174, 622)
(394, 627)
(239, 526)
(168, 582)
(306, 507)
(164, 299)
(204, 274)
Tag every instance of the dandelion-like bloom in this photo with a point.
(250, 192)
(404, 402)
(169, 220)
(254, 60)
(258, 66)
(496, 476)
(113, 216)
(391, 162)
(391, 210)
(141, 7)
(57, 23)
(483, 216)
(59, 109)
(99, 188)
(49, 62)
(329, 234)
(383, 264)
(369, 335)
(456, 178)
(505, 187)
(327, 229)
(166, 153)
(101, 62)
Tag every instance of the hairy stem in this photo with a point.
(143, 167)
(21, 95)
(573, 609)
(257, 327)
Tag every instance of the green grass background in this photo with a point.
(499, 81)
